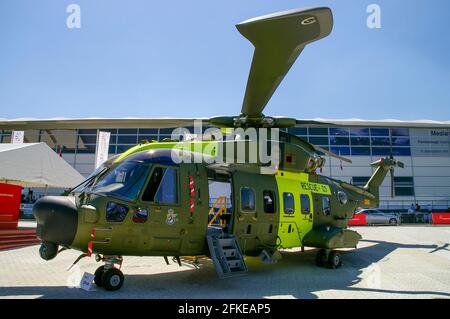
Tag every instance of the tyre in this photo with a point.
(98, 276)
(112, 279)
(393, 222)
(48, 251)
(334, 260)
(321, 258)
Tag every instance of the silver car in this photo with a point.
(377, 217)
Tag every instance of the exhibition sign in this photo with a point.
(101, 151)
(430, 142)
(358, 220)
(17, 137)
(9, 205)
(442, 218)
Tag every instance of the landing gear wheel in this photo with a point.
(321, 258)
(98, 276)
(48, 251)
(334, 260)
(112, 279)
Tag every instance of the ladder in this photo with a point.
(225, 254)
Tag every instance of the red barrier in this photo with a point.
(9, 205)
(440, 218)
(358, 220)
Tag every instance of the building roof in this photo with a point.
(134, 122)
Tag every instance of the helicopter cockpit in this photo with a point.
(126, 179)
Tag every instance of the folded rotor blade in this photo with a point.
(279, 39)
(331, 154)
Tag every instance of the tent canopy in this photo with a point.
(35, 165)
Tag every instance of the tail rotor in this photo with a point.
(389, 163)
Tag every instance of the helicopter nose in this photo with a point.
(57, 220)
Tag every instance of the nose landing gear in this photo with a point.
(48, 251)
(109, 276)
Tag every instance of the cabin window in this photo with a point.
(116, 212)
(269, 202)
(162, 187)
(247, 199)
(305, 204)
(288, 201)
(326, 209)
(342, 197)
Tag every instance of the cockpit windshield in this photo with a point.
(123, 181)
(91, 179)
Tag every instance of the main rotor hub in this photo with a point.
(245, 121)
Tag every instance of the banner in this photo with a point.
(9, 205)
(102, 148)
(17, 137)
(430, 142)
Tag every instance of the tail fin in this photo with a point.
(383, 165)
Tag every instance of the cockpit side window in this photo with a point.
(168, 190)
(162, 187)
(153, 184)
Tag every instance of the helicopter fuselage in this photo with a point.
(169, 214)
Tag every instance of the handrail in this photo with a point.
(222, 201)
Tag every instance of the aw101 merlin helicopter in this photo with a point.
(145, 203)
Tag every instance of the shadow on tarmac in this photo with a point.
(294, 276)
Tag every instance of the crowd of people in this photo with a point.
(29, 198)
(421, 218)
(414, 208)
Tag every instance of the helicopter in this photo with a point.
(194, 197)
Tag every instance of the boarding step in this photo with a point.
(226, 255)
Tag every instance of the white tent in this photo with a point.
(35, 165)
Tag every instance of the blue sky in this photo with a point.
(186, 59)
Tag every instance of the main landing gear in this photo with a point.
(109, 276)
(328, 258)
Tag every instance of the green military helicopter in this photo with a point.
(148, 202)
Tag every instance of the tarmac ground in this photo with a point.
(390, 262)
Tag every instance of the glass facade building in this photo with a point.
(358, 141)
(83, 141)
(343, 141)
(424, 150)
